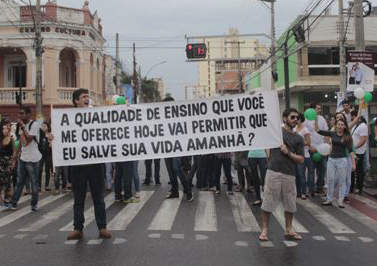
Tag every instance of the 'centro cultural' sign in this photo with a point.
(58, 30)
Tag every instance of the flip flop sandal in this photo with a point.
(263, 237)
(296, 237)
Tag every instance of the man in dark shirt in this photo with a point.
(82, 175)
(280, 179)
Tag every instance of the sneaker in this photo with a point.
(34, 208)
(137, 195)
(47, 189)
(212, 189)
(347, 200)
(341, 205)
(326, 203)
(75, 235)
(230, 193)
(303, 197)
(146, 182)
(56, 192)
(104, 234)
(119, 199)
(12, 207)
(172, 196)
(190, 197)
(217, 192)
(158, 183)
(131, 200)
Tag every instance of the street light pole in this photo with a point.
(342, 49)
(38, 54)
(150, 69)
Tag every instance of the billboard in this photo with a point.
(360, 68)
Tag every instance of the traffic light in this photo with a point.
(196, 50)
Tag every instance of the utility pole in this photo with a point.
(273, 45)
(273, 41)
(117, 65)
(135, 75)
(359, 25)
(342, 49)
(287, 90)
(38, 53)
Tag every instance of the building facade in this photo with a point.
(73, 56)
(314, 74)
(228, 57)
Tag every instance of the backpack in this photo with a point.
(41, 133)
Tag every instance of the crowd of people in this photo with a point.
(288, 173)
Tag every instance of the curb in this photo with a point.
(370, 192)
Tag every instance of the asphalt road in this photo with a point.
(212, 230)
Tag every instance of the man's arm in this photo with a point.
(297, 158)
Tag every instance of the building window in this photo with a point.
(17, 76)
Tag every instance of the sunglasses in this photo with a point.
(292, 117)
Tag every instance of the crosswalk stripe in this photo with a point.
(48, 218)
(128, 213)
(89, 214)
(243, 216)
(332, 224)
(164, 218)
(367, 201)
(362, 218)
(22, 200)
(296, 225)
(205, 218)
(26, 210)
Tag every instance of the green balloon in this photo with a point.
(368, 97)
(121, 100)
(310, 114)
(317, 157)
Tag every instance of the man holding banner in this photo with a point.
(280, 179)
(81, 176)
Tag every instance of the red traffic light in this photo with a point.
(196, 50)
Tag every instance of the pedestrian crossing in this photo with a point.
(243, 216)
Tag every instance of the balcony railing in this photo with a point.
(8, 95)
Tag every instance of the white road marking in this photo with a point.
(95, 242)
(332, 224)
(241, 244)
(22, 200)
(319, 238)
(266, 244)
(20, 236)
(49, 217)
(201, 237)
(71, 242)
(14, 215)
(154, 235)
(366, 239)
(205, 218)
(362, 218)
(178, 236)
(290, 244)
(296, 225)
(164, 218)
(89, 214)
(342, 238)
(128, 213)
(243, 216)
(119, 241)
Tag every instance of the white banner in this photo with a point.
(165, 129)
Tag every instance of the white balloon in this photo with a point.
(115, 97)
(324, 149)
(359, 93)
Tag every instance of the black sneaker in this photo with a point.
(172, 196)
(190, 197)
(34, 208)
(158, 183)
(347, 200)
(146, 182)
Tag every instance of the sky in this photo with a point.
(160, 24)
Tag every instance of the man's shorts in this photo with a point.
(279, 187)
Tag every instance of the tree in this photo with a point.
(149, 91)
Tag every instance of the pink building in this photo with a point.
(73, 56)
